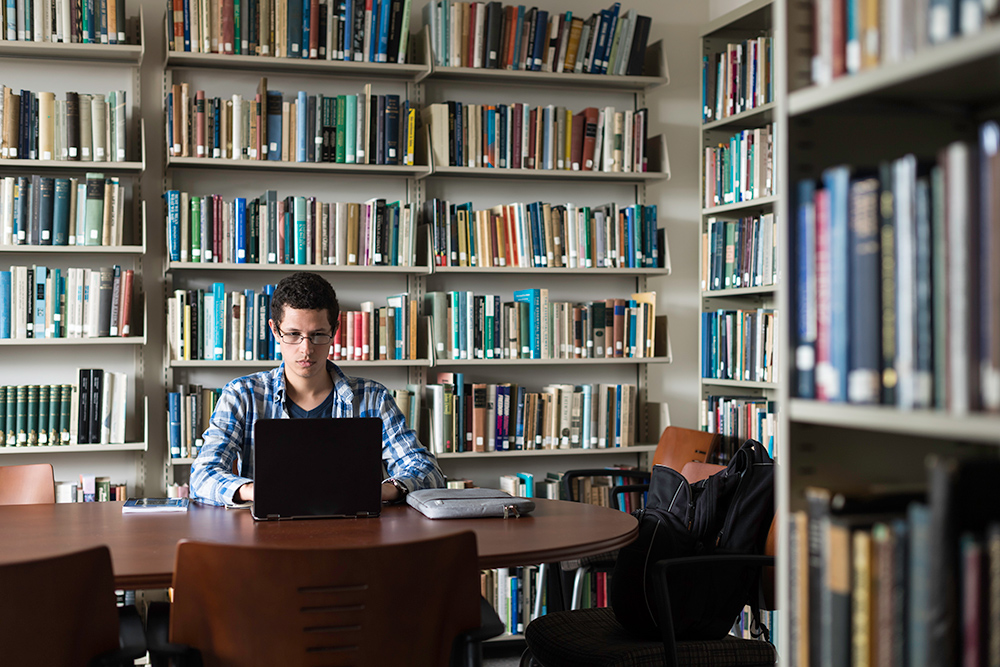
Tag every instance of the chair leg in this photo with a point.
(543, 572)
(578, 581)
(528, 660)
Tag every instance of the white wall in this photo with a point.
(717, 8)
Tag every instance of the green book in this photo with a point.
(102, 486)
(9, 435)
(730, 253)
(523, 322)
(30, 416)
(65, 411)
(94, 215)
(3, 415)
(341, 145)
(55, 406)
(301, 249)
(59, 285)
(195, 229)
(42, 426)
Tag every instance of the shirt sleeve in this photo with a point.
(404, 458)
(212, 478)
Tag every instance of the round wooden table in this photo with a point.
(143, 546)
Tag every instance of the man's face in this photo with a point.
(304, 359)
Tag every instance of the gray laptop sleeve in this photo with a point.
(468, 503)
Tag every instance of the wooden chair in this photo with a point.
(414, 603)
(30, 484)
(61, 612)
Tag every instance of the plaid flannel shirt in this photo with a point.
(229, 437)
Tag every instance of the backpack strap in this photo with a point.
(757, 628)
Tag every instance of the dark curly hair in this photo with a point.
(305, 291)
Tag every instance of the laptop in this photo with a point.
(317, 468)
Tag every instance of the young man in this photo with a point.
(304, 314)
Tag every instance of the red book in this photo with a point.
(517, 115)
(511, 227)
(576, 143)
(226, 26)
(347, 351)
(470, 50)
(532, 124)
(494, 241)
(199, 123)
(338, 338)
(839, 20)
(125, 301)
(366, 323)
(577, 332)
(511, 46)
(314, 28)
(359, 335)
(178, 26)
(590, 116)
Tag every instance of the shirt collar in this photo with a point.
(341, 385)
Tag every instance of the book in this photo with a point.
(155, 505)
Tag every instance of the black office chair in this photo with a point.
(61, 612)
(415, 603)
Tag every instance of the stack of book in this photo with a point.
(519, 136)
(378, 334)
(740, 345)
(350, 129)
(189, 411)
(37, 302)
(480, 417)
(100, 22)
(542, 235)
(468, 326)
(898, 275)
(91, 489)
(351, 30)
(737, 79)
(85, 127)
(739, 253)
(492, 36)
(43, 210)
(216, 324)
(292, 230)
(740, 170)
(100, 417)
(745, 417)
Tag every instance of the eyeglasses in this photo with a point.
(296, 338)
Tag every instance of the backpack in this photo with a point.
(728, 513)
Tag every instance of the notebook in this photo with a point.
(317, 468)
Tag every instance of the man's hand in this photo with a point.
(390, 493)
(244, 494)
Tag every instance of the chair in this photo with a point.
(61, 612)
(414, 603)
(27, 484)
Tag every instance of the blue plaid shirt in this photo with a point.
(229, 437)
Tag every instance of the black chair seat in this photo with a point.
(594, 638)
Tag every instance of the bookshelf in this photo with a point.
(88, 68)
(902, 407)
(739, 229)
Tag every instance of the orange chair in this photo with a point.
(31, 484)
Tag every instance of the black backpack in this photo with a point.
(730, 513)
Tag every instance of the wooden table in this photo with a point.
(142, 546)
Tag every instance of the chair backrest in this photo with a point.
(355, 605)
(60, 611)
(29, 484)
(678, 446)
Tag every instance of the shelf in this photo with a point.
(318, 268)
(745, 120)
(975, 427)
(45, 166)
(527, 453)
(752, 16)
(271, 363)
(552, 271)
(74, 249)
(183, 461)
(739, 384)
(548, 174)
(107, 340)
(602, 361)
(954, 71)
(758, 204)
(330, 68)
(75, 449)
(739, 291)
(279, 166)
(125, 54)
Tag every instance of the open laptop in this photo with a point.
(317, 468)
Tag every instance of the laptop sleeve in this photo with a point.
(468, 503)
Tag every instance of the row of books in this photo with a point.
(739, 253)
(738, 78)
(66, 21)
(42, 210)
(520, 136)
(289, 230)
(481, 417)
(492, 36)
(376, 31)
(513, 591)
(743, 417)
(898, 277)
(541, 234)
(741, 169)
(378, 333)
(740, 345)
(38, 302)
(853, 36)
(880, 573)
(189, 411)
(91, 489)
(220, 325)
(469, 326)
(85, 127)
(347, 129)
(92, 411)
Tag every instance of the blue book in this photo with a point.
(41, 273)
(11, 26)
(631, 327)
(348, 30)
(45, 196)
(541, 40)
(59, 285)
(518, 35)
(275, 349)
(173, 198)
(274, 102)
(588, 439)
(306, 18)
(864, 384)
(174, 424)
(706, 329)
(533, 298)
(804, 292)
(618, 415)
(381, 54)
(250, 323)
(612, 26)
(602, 41)
(218, 321)
(534, 217)
(299, 225)
(837, 182)
(458, 342)
(301, 126)
(240, 221)
(187, 25)
(529, 483)
(392, 145)
(294, 29)
(5, 304)
(519, 419)
(919, 584)
(60, 212)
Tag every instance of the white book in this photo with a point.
(477, 44)
(81, 211)
(7, 210)
(237, 132)
(958, 204)
(195, 10)
(629, 146)
(93, 302)
(107, 394)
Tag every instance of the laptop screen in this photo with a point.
(316, 468)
